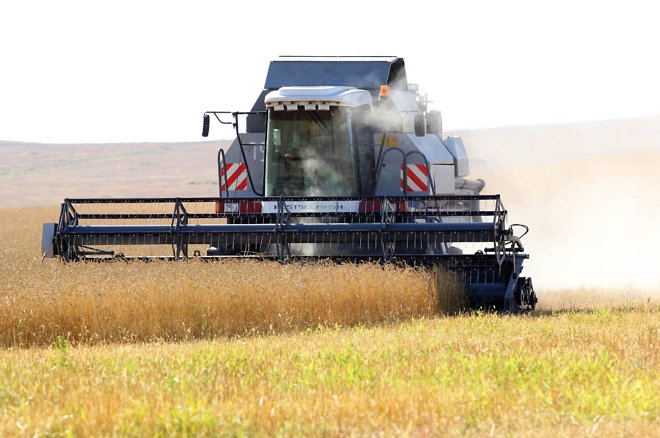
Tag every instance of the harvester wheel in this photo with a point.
(524, 295)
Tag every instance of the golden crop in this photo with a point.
(90, 303)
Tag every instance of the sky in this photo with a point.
(145, 71)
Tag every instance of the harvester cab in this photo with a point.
(339, 158)
(341, 127)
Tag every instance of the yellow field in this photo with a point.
(249, 349)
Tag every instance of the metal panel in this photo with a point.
(359, 73)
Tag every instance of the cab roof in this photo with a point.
(365, 72)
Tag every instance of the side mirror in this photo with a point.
(205, 128)
(420, 125)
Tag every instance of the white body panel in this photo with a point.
(317, 96)
(457, 149)
(443, 178)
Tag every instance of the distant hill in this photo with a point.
(34, 174)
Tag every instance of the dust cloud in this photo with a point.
(591, 205)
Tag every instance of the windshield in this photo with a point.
(308, 153)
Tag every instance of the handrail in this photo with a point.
(222, 171)
(242, 149)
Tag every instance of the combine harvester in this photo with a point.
(340, 159)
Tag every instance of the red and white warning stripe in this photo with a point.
(417, 177)
(236, 177)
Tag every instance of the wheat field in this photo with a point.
(136, 301)
(264, 349)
